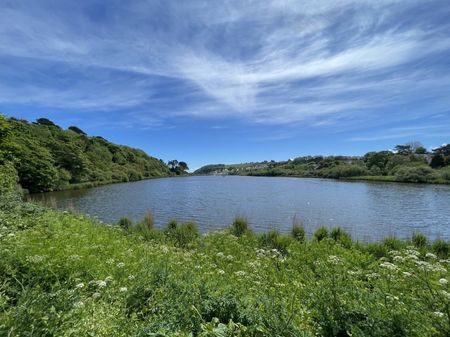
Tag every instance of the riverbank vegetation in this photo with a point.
(48, 157)
(64, 274)
(406, 163)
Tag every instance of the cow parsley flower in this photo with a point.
(443, 281)
(80, 286)
(78, 304)
(101, 284)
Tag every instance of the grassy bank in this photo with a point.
(63, 274)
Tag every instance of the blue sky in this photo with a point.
(232, 81)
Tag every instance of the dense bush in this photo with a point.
(240, 226)
(441, 248)
(298, 232)
(345, 171)
(321, 233)
(49, 158)
(418, 174)
(184, 235)
(419, 240)
(445, 173)
(340, 235)
(125, 223)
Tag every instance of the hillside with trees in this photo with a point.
(49, 158)
(406, 163)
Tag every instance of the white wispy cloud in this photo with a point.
(270, 62)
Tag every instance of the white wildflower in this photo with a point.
(254, 264)
(120, 265)
(389, 266)
(443, 281)
(101, 284)
(438, 268)
(407, 274)
(430, 256)
(35, 258)
(123, 289)
(393, 298)
(230, 257)
(438, 314)
(110, 261)
(398, 258)
(240, 273)
(334, 259)
(220, 254)
(412, 252)
(445, 294)
(80, 286)
(131, 277)
(96, 295)
(221, 272)
(78, 304)
(108, 279)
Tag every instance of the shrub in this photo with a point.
(392, 243)
(125, 223)
(274, 240)
(321, 233)
(148, 221)
(239, 226)
(172, 225)
(298, 232)
(340, 235)
(345, 171)
(377, 250)
(419, 240)
(445, 173)
(185, 235)
(418, 174)
(441, 248)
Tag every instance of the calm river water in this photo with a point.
(369, 211)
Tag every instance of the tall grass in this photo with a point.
(321, 233)
(240, 226)
(64, 274)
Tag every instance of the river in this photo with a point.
(370, 211)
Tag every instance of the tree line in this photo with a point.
(409, 162)
(47, 157)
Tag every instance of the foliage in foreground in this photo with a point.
(63, 274)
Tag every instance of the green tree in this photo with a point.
(377, 159)
(403, 149)
(48, 157)
(421, 150)
(173, 164)
(183, 166)
(77, 130)
(46, 121)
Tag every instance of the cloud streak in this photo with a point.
(269, 62)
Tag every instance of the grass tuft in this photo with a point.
(240, 226)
